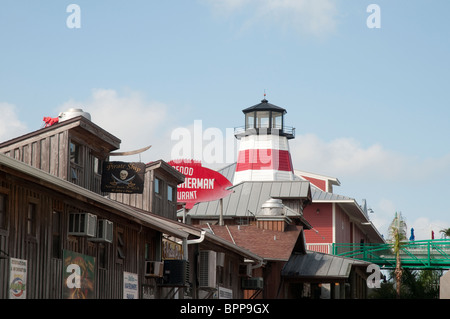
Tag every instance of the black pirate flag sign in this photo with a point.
(123, 177)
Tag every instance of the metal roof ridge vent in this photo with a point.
(73, 112)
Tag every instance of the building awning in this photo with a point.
(319, 266)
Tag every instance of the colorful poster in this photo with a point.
(172, 250)
(130, 286)
(78, 276)
(17, 278)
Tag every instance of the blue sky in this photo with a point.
(370, 105)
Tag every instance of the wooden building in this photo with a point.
(73, 149)
(43, 217)
(37, 216)
(70, 240)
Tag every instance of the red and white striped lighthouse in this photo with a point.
(264, 148)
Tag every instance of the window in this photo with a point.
(3, 209)
(56, 234)
(170, 193)
(31, 219)
(97, 165)
(148, 251)
(277, 120)
(74, 153)
(262, 119)
(249, 120)
(156, 185)
(102, 256)
(120, 246)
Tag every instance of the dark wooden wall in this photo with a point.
(49, 150)
(45, 273)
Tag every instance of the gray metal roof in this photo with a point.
(316, 193)
(319, 195)
(228, 171)
(348, 204)
(241, 205)
(319, 265)
(247, 197)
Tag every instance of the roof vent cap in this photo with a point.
(71, 113)
(272, 207)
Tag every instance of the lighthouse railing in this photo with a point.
(288, 131)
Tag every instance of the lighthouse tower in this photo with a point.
(263, 145)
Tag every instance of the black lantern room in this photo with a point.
(265, 118)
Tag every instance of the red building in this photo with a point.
(335, 218)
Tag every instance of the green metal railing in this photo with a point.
(421, 254)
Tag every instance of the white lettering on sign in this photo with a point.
(188, 171)
(186, 195)
(201, 183)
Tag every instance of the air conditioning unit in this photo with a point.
(254, 283)
(104, 231)
(225, 293)
(245, 270)
(176, 273)
(207, 269)
(154, 268)
(82, 224)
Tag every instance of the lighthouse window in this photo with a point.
(277, 120)
(250, 120)
(262, 119)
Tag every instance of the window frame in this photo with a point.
(75, 155)
(4, 211)
(31, 218)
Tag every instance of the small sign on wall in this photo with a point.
(17, 278)
(123, 177)
(130, 286)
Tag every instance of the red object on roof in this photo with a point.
(201, 184)
(49, 121)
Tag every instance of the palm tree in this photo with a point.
(397, 236)
(446, 232)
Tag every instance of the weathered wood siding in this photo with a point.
(45, 270)
(48, 152)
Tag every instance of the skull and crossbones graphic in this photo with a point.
(123, 179)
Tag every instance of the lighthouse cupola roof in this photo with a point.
(264, 106)
(265, 118)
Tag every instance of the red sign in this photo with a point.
(201, 184)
